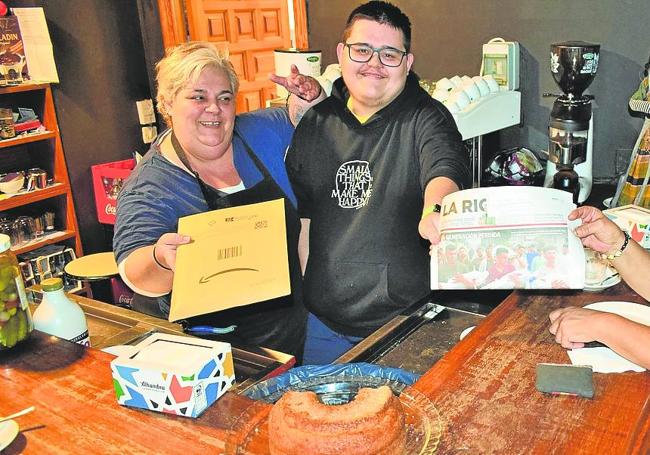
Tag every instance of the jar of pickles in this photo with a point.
(15, 318)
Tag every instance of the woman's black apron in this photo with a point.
(278, 323)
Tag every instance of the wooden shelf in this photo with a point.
(26, 139)
(57, 189)
(48, 239)
(18, 154)
(22, 88)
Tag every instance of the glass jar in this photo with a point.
(15, 318)
(7, 227)
(25, 230)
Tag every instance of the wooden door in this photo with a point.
(250, 29)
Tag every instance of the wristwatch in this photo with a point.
(435, 208)
(615, 254)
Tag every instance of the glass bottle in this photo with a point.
(60, 316)
(25, 229)
(15, 318)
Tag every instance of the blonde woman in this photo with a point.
(209, 158)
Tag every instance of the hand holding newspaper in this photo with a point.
(507, 238)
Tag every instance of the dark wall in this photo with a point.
(100, 58)
(447, 39)
(105, 51)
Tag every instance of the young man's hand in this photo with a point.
(304, 87)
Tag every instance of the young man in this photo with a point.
(369, 165)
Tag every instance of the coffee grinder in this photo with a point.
(573, 65)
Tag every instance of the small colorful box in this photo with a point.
(633, 219)
(173, 374)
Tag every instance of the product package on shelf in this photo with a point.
(48, 262)
(634, 189)
(108, 179)
(13, 67)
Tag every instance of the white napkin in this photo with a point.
(602, 360)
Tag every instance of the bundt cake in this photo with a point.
(371, 424)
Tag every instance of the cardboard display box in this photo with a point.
(173, 374)
(633, 219)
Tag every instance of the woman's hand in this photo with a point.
(164, 251)
(573, 326)
(597, 231)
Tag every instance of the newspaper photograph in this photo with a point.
(507, 238)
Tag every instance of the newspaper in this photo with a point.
(507, 238)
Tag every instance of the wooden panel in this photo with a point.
(300, 24)
(217, 27)
(237, 61)
(171, 22)
(253, 29)
(244, 25)
(269, 93)
(262, 64)
(271, 24)
(249, 100)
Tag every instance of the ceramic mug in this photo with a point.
(452, 106)
(459, 97)
(482, 85)
(444, 84)
(492, 83)
(472, 91)
(456, 80)
(440, 95)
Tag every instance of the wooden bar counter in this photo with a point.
(484, 390)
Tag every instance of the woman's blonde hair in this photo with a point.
(183, 65)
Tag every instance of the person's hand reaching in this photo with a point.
(597, 231)
(573, 326)
(304, 87)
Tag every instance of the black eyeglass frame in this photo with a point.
(374, 50)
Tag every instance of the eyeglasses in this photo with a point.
(388, 56)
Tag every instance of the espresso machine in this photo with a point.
(569, 168)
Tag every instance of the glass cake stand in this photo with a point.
(249, 433)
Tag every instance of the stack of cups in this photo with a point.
(459, 92)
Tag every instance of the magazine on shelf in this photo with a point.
(39, 52)
(12, 51)
(507, 238)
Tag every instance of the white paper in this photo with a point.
(37, 44)
(602, 360)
